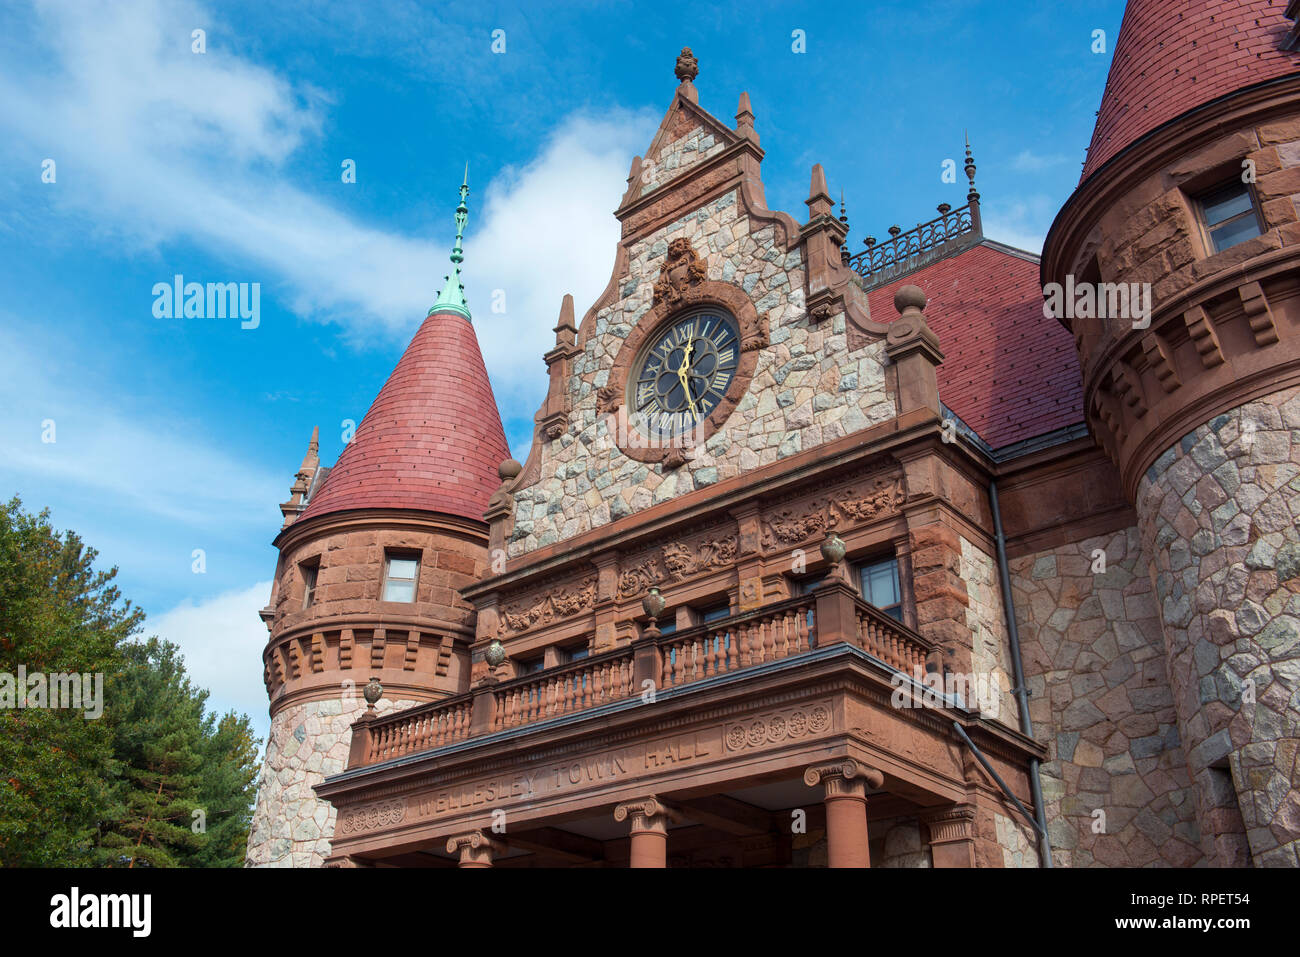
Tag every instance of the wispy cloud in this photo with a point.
(1027, 161)
(158, 146)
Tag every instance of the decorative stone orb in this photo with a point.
(653, 603)
(833, 548)
(495, 654)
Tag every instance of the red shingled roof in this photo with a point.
(432, 439)
(1008, 372)
(1174, 55)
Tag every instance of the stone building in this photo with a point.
(933, 554)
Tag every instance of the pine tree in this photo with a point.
(57, 615)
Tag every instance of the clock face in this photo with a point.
(685, 372)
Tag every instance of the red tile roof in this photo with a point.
(432, 440)
(1174, 55)
(1008, 372)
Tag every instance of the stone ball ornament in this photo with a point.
(653, 603)
(495, 654)
(373, 691)
(834, 549)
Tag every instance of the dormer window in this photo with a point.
(400, 575)
(1229, 216)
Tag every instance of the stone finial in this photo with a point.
(745, 119)
(566, 331)
(312, 459)
(509, 469)
(688, 68)
(914, 349)
(909, 298)
(819, 200)
(302, 481)
(372, 692)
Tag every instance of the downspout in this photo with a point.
(1022, 696)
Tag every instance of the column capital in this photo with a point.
(952, 835)
(955, 823)
(476, 848)
(844, 778)
(647, 814)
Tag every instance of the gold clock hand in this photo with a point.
(685, 380)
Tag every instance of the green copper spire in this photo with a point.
(453, 293)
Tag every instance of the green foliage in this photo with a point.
(57, 614)
(156, 781)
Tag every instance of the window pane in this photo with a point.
(880, 583)
(717, 613)
(1237, 231)
(1225, 204)
(395, 589)
(402, 568)
(577, 654)
(668, 628)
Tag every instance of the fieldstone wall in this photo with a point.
(676, 156)
(807, 388)
(1094, 659)
(903, 845)
(1019, 844)
(990, 644)
(291, 827)
(1218, 514)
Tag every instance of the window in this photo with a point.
(880, 586)
(716, 614)
(668, 627)
(1229, 216)
(530, 666)
(807, 586)
(576, 653)
(399, 578)
(309, 571)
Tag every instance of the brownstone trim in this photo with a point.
(753, 330)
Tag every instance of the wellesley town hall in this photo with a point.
(916, 551)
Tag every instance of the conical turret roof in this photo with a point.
(1175, 55)
(433, 439)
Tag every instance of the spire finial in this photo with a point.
(452, 298)
(973, 195)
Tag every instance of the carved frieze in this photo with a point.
(369, 817)
(542, 608)
(861, 501)
(786, 725)
(676, 561)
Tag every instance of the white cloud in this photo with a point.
(1027, 161)
(222, 640)
(143, 460)
(158, 145)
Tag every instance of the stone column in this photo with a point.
(845, 783)
(649, 830)
(476, 848)
(952, 836)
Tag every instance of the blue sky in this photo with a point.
(179, 434)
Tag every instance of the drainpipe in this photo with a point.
(1022, 696)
